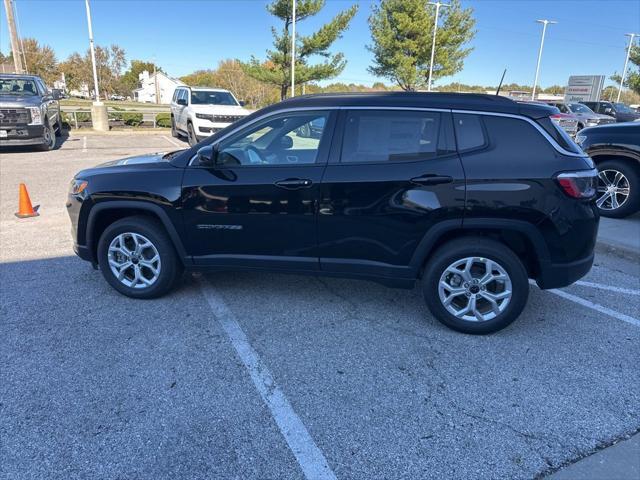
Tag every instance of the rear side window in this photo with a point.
(470, 133)
(392, 136)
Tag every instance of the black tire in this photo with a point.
(174, 131)
(632, 202)
(170, 266)
(192, 135)
(49, 139)
(486, 249)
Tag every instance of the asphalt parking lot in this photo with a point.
(251, 375)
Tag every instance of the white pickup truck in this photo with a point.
(197, 112)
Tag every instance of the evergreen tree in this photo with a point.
(277, 69)
(402, 32)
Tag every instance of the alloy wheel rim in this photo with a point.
(134, 260)
(613, 189)
(475, 289)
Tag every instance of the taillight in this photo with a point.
(580, 184)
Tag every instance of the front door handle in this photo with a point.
(432, 179)
(294, 183)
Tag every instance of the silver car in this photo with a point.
(585, 116)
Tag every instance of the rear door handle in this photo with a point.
(294, 183)
(432, 179)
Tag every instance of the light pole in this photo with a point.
(433, 44)
(544, 31)
(99, 117)
(293, 51)
(626, 62)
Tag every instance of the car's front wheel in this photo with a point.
(618, 189)
(192, 135)
(48, 138)
(137, 258)
(475, 285)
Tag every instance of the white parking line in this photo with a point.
(84, 144)
(308, 455)
(628, 291)
(173, 142)
(596, 307)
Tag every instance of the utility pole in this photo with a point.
(293, 51)
(155, 81)
(626, 62)
(544, 31)
(433, 45)
(99, 117)
(13, 35)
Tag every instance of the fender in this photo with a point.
(613, 152)
(436, 232)
(137, 205)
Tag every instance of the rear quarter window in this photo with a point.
(514, 135)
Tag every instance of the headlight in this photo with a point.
(36, 116)
(77, 186)
(204, 116)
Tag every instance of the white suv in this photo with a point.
(197, 112)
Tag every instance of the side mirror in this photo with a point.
(286, 142)
(242, 103)
(182, 101)
(56, 93)
(207, 155)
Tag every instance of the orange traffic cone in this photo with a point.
(25, 209)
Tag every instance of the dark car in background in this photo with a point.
(468, 195)
(615, 149)
(585, 116)
(29, 112)
(620, 111)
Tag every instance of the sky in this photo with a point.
(187, 35)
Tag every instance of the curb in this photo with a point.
(617, 250)
(151, 131)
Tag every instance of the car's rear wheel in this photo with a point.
(475, 285)
(174, 130)
(618, 189)
(137, 258)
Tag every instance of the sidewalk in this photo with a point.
(620, 236)
(618, 462)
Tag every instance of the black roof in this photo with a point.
(456, 101)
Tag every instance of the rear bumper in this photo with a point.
(557, 275)
(22, 135)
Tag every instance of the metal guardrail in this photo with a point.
(148, 113)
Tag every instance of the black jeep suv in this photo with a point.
(470, 195)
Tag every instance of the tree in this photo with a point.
(632, 79)
(40, 60)
(554, 90)
(277, 69)
(110, 61)
(129, 81)
(402, 32)
(231, 76)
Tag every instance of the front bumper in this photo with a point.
(22, 135)
(557, 275)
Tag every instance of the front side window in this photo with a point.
(212, 97)
(289, 139)
(390, 136)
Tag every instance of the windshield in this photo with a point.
(17, 86)
(621, 107)
(579, 108)
(211, 97)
